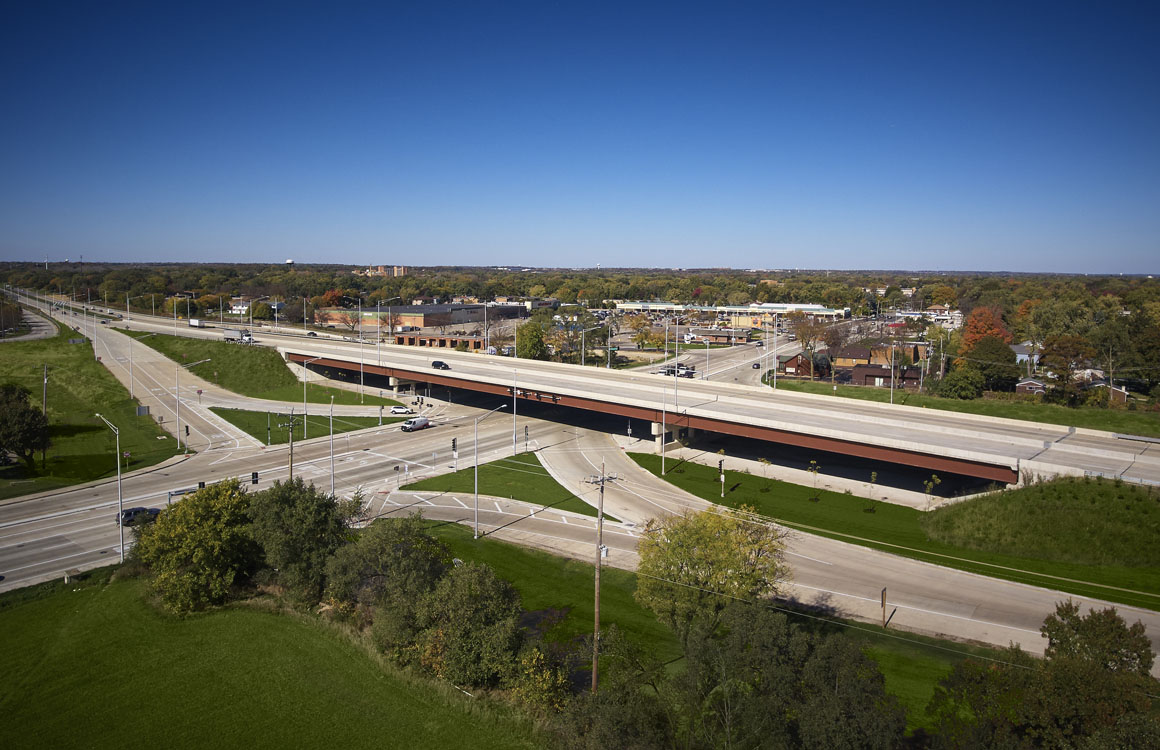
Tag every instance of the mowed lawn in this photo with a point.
(520, 477)
(1112, 420)
(79, 387)
(1118, 537)
(317, 425)
(255, 371)
(99, 668)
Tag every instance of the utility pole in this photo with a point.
(290, 427)
(601, 552)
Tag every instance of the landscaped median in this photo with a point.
(1093, 538)
(255, 371)
(520, 477)
(268, 427)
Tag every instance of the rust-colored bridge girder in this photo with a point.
(993, 472)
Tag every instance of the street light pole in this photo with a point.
(120, 509)
(476, 446)
(332, 445)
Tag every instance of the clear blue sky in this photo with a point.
(989, 136)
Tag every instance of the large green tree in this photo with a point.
(995, 360)
(692, 565)
(23, 427)
(200, 547)
(298, 529)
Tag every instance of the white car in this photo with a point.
(400, 410)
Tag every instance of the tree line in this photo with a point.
(749, 676)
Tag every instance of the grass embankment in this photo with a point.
(521, 477)
(80, 654)
(255, 371)
(83, 448)
(93, 665)
(1112, 420)
(1100, 543)
(261, 424)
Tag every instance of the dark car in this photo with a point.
(311, 333)
(438, 365)
(756, 365)
(135, 516)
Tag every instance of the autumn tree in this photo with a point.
(983, 322)
(692, 565)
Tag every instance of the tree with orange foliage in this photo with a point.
(981, 323)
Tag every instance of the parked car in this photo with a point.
(440, 365)
(136, 516)
(400, 410)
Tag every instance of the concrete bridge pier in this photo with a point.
(401, 383)
(661, 437)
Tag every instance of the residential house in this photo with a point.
(851, 356)
(800, 365)
(876, 375)
(1031, 386)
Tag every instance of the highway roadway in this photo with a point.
(1040, 449)
(43, 536)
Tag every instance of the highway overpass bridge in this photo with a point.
(991, 449)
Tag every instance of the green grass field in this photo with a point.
(83, 448)
(521, 477)
(1113, 420)
(255, 423)
(254, 371)
(899, 530)
(93, 665)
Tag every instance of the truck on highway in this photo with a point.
(238, 335)
(195, 323)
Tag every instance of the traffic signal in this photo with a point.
(721, 466)
(253, 477)
(201, 485)
(187, 430)
(453, 444)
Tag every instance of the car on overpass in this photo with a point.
(440, 365)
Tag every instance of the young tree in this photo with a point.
(834, 337)
(693, 564)
(23, 427)
(530, 342)
(962, 382)
(348, 319)
(200, 547)
(298, 529)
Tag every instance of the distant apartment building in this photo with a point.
(389, 271)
